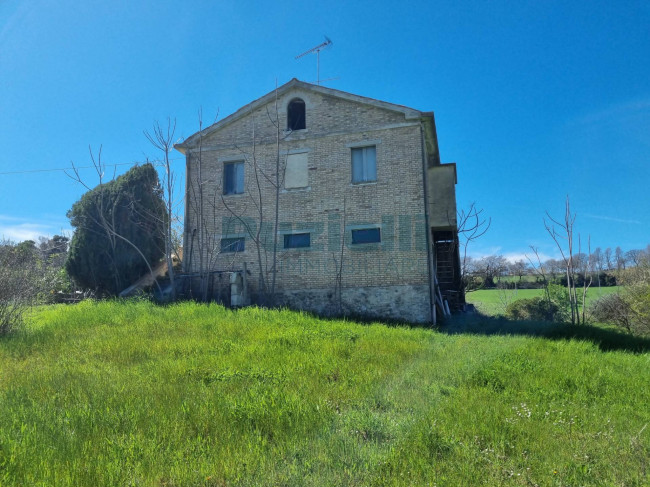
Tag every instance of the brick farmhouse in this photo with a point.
(328, 202)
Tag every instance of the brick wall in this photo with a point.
(328, 208)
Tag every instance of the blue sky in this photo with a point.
(533, 100)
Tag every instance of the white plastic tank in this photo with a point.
(236, 289)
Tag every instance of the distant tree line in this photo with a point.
(628, 308)
(604, 266)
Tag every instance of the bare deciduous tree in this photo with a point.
(472, 225)
(163, 139)
(338, 264)
(203, 199)
(608, 259)
(562, 233)
(490, 268)
(262, 177)
(540, 270)
(598, 259)
(619, 258)
(518, 268)
(586, 269)
(554, 267)
(633, 257)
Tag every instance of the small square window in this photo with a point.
(364, 164)
(366, 236)
(233, 244)
(233, 178)
(297, 240)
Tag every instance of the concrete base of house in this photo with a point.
(408, 303)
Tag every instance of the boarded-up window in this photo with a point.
(296, 174)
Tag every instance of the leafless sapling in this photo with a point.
(562, 230)
(472, 225)
(163, 139)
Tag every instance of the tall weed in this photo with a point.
(129, 393)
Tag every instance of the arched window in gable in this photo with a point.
(296, 115)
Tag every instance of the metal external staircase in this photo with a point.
(447, 271)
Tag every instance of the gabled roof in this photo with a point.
(409, 113)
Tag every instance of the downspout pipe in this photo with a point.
(432, 299)
(187, 262)
(187, 152)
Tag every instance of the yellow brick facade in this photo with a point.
(329, 208)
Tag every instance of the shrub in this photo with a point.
(637, 294)
(536, 309)
(605, 278)
(614, 309)
(638, 297)
(18, 284)
(472, 283)
(559, 296)
(629, 310)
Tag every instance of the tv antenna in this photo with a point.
(317, 50)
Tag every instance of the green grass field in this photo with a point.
(107, 394)
(493, 302)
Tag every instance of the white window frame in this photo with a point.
(368, 176)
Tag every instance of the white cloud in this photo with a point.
(614, 112)
(17, 229)
(24, 231)
(612, 219)
(7, 218)
(631, 118)
(511, 256)
(484, 252)
(515, 256)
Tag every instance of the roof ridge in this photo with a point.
(295, 82)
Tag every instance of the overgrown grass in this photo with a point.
(133, 394)
(493, 302)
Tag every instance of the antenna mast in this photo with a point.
(317, 50)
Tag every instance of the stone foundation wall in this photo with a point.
(408, 303)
